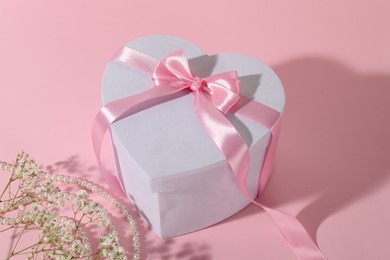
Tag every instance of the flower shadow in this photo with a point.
(151, 246)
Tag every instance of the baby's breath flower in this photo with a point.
(34, 207)
(60, 237)
(76, 249)
(109, 246)
(82, 194)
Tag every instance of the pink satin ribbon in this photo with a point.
(214, 96)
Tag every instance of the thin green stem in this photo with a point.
(17, 191)
(6, 229)
(24, 249)
(5, 189)
(78, 225)
(20, 236)
(28, 252)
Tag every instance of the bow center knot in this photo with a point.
(197, 83)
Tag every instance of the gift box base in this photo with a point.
(212, 194)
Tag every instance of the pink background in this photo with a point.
(333, 167)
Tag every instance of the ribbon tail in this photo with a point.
(269, 118)
(237, 154)
(118, 109)
(269, 156)
(295, 234)
(224, 135)
(292, 230)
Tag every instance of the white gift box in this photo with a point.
(170, 168)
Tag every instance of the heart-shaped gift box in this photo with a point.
(169, 166)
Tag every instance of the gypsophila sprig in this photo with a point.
(33, 204)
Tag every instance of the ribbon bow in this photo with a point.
(214, 96)
(223, 90)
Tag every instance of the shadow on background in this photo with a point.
(335, 140)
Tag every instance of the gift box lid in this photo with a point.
(167, 141)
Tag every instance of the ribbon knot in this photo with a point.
(198, 83)
(222, 90)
